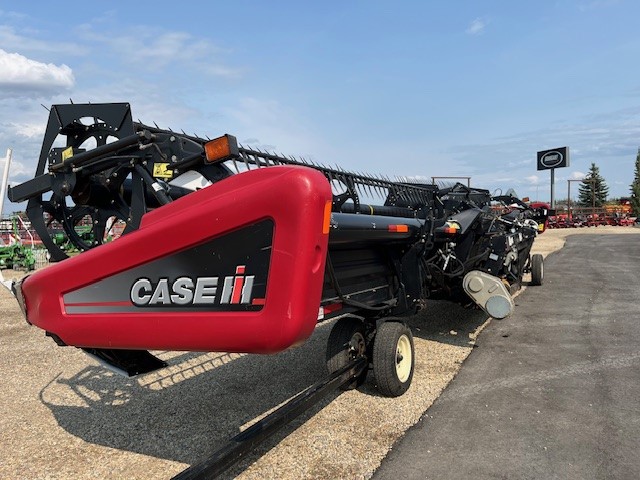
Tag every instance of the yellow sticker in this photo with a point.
(66, 153)
(160, 170)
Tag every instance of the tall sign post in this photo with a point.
(550, 160)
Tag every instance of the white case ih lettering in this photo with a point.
(236, 290)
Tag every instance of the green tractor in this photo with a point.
(17, 256)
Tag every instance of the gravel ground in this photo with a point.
(66, 417)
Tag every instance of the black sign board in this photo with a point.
(554, 158)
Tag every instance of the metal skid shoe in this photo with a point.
(389, 349)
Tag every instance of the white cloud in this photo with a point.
(11, 40)
(266, 118)
(477, 26)
(533, 180)
(577, 175)
(22, 127)
(20, 75)
(216, 70)
(29, 130)
(17, 169)
(157, 50)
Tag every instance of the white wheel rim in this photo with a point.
(403, 358)
(541, 271)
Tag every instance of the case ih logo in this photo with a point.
(234, 290)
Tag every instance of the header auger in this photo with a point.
(225, 248)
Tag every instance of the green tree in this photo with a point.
(635, 188)
(593, 183)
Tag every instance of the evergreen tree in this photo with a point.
(593, 183)
(635, 188)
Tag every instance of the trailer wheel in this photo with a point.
(346, 343)
(537, 269)
(393, 358)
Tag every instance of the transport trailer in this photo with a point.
(226, 248)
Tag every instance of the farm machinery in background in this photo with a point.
(613, 213)
(14, 254)
(226, 248)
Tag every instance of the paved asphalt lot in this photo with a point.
(551, 392)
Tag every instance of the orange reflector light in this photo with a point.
(451, 228)
(221, 148)
(326, 224)
(399, 228)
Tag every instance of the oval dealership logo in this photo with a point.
(551, 159)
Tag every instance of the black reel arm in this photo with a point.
(109, 174)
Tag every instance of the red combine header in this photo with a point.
(225, 248)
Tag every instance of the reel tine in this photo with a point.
(329, 175)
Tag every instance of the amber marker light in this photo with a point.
(221, 149)
(451, 228)
(326, 224)
(399, 228)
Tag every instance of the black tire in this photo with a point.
(392, 370)
(537, 269)
(346, 342)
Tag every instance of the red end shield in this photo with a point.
(237, 266)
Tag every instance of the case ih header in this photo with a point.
(221, 253)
